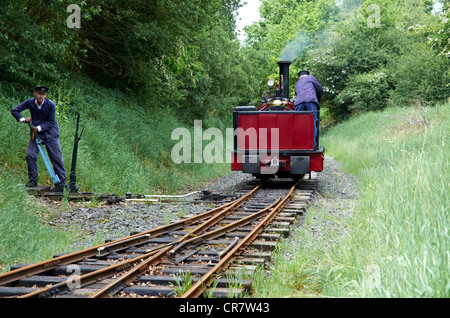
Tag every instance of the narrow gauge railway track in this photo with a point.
(207, 253)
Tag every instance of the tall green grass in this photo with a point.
(400, 236)
(396, 242)
(23, 235)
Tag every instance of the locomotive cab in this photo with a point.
(275, 140)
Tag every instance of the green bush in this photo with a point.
(365, 68)
(365, 92)
(419, 75)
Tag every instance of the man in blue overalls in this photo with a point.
(43, 119)
(309, 92)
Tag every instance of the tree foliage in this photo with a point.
(366, 54)
(32, 45)
(182, 54)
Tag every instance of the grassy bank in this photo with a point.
(126, 146)
(23, 237)
(396, 242)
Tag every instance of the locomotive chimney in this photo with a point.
(284, 77)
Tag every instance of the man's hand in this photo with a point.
(32, 132)
(27, 120)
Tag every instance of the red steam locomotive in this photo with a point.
(274, 140)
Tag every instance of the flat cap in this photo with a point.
(41, 88)
(303, 73)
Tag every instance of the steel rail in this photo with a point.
(198, 288)
(152, 255)
(95, 276)
(86, 279)
(70, 258)
(225, 229)
(153, 260)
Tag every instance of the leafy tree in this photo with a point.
(367, 67)
(168, 53)
(31, 41)
(366, 54)
(286, 32)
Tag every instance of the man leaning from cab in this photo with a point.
(309, 93)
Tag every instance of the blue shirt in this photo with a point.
(308, 90)
(45, 117)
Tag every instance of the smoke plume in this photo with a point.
(295, 47)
